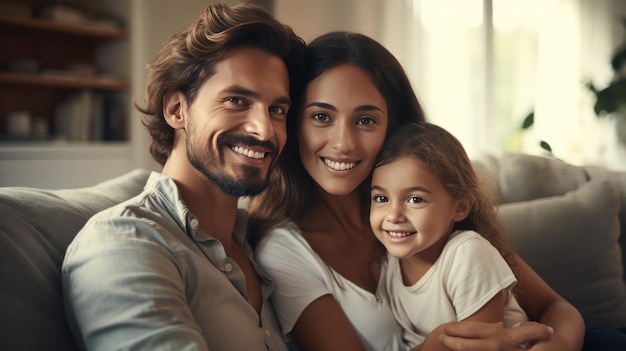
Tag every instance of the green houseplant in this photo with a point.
(611, 100)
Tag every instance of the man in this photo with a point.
(171, 269)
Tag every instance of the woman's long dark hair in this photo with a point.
(291, 189)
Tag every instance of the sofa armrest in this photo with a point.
(36, 226)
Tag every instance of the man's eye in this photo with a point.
(236, 100)
(278, 109)
(321, 117)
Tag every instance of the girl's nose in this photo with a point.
(395, 214)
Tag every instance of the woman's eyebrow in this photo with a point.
(333, 108)
(368, 108)
(322, 105)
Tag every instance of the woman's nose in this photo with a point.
(343, 139)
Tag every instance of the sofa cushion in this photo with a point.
(525, 177)
(35, 228)
(571, 240)
(618, 178)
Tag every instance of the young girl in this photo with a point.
(448, 253)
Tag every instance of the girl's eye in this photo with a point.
(379, 198)
(415, 200)
(321, 117)
(236, 100)
(366, 121)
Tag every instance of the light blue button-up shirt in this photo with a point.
(142, 275)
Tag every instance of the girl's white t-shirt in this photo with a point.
(468, 273)
(301, 277)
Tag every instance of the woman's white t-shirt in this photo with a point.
(468, 274)
(301, 277)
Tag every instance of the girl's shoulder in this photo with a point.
(468, 241)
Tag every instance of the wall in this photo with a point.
(153, 22)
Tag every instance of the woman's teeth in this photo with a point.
(339, 166)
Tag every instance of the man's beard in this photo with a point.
(250, 183)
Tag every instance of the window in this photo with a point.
(481, 66)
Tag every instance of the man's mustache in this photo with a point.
(230, 139)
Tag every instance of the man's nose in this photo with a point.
(260, 123)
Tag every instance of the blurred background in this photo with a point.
(531, 76)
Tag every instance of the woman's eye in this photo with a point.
(366, 121)
(321, 117)
(415, 200)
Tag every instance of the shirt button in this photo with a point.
(194, 223)
(228, 267)
(268, 332)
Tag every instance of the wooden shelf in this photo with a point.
(54, 71)
(92, 31)
(62, 81)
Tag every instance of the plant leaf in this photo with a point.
(529, 120)
(544, 145)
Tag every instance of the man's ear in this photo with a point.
(174, 109)
(463, 208)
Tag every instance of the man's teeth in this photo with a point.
(339, 166)
(399, 234)
(248, 152)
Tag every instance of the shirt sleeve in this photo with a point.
(123, 289)
(476, 273)
(299, 275)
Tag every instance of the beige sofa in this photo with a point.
(564, 220)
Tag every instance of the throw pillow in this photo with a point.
(525, 177)
(571, 241)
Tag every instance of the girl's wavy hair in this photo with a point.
(443, 155)
(291, 189)
(189, 58)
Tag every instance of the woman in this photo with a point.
(323, 256)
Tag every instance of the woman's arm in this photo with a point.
(560, 327)
(324, 326)
(544, 305)
(491, 312)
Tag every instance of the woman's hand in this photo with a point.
(470, 336)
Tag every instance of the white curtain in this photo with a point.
(480, 66)
(577, 47)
